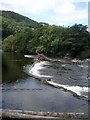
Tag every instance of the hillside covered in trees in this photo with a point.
(21, 34)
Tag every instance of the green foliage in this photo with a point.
(20, 19)
(12, 23)
(0, 44)
(40, 49)
(21, 34)
(9, 43)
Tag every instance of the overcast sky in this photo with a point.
(59, 12)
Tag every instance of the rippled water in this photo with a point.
(21, 91)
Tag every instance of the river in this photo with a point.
(67, 90)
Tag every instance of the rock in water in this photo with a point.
(41, 57)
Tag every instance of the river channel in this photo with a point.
(24, 92)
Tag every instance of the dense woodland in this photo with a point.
(21, 34)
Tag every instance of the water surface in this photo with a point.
(21, 91)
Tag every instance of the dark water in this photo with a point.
(12, 67)
(21, 91)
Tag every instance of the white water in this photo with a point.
(83, 66)
(80, 91)
(29, 56)
(36, 71)
(76, 60)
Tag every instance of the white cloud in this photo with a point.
(65, 8)
(74, 17)
(52, 11)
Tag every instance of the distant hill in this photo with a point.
(13, 22)
(19, 18)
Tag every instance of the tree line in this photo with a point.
(44, 38)
(55, 40)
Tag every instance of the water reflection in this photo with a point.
(12, 67)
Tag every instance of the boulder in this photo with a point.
(41, 57)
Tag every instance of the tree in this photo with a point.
(9, 43)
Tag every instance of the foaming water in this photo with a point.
(83, 66)
(35, 70)
(76, 60)
(80, 91)
(39, 66)
(29, 56)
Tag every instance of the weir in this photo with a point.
(34, 71)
